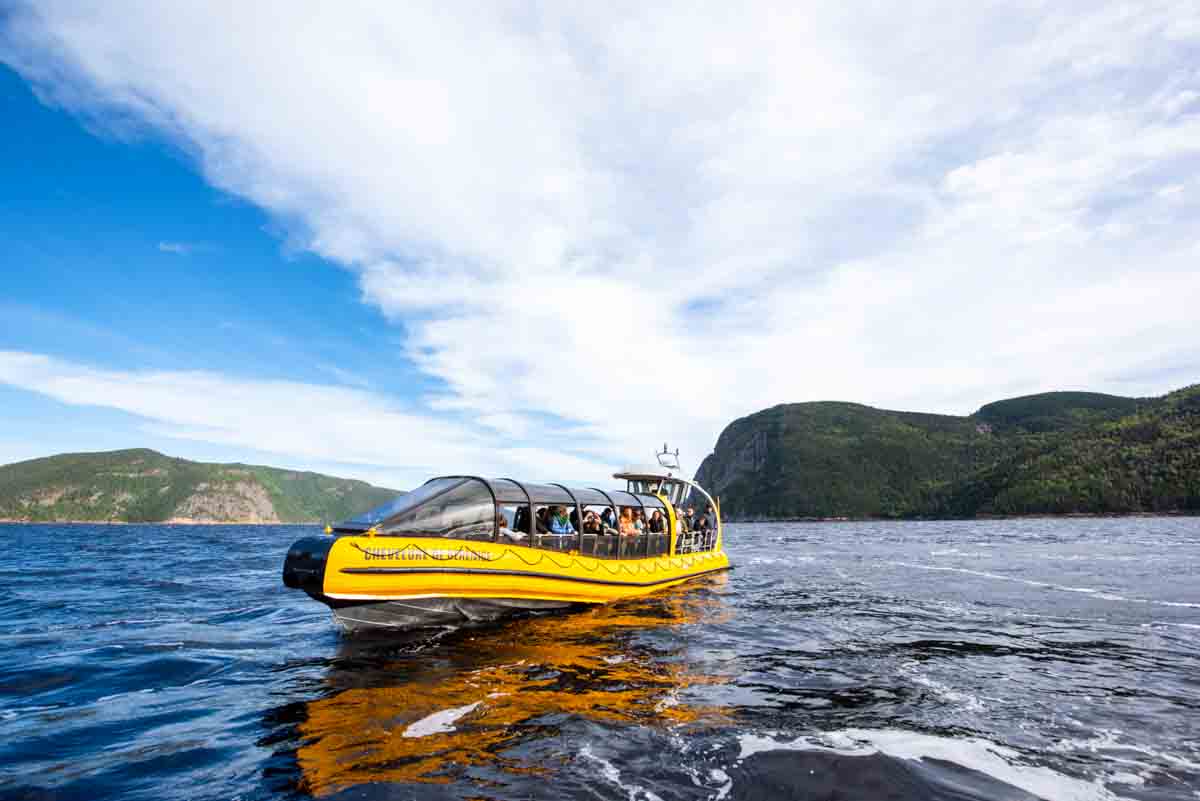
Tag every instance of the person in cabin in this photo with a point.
(683, 523)
(560, 523)
(626, 524)
(506, 533)
(608, 518)
(639, 520)
(706, 524)
(591, 523)
(521, 519)
(542, 519)
(658, 524)
(691, 518)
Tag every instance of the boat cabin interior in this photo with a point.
(545, 516)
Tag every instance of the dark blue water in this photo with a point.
(985, 660)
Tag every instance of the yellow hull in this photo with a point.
(364, 568)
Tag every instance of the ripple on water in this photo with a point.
(996, 660)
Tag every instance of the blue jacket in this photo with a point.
(561, 525)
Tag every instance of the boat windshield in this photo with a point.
(401, 504)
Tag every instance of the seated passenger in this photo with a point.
(506, 533)
(639, 520)
(626, 524)
(542, 520)
(560, 523)
(608, 518)
(657, 523)
(521, 519)
(591, 523)
(685, 524)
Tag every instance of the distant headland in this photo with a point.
(1057, 453)
(145, 486)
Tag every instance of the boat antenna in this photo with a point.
(668, 459)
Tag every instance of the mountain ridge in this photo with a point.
(1050, 453)
(140, 485)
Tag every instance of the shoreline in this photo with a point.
(183, 521)
(1033, 516)
(171, 522)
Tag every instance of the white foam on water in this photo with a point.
(718, 775)
(439, 722)
(983, 756)
(609, 771)
(779, 560)
(946, 692)
(1108, 743)
(1108, 596)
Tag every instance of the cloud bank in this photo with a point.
(612, 227)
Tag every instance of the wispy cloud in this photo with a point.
(313, 423)
(178, 248)
(184, 248)
(647, 221)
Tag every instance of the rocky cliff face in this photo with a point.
(244, 501)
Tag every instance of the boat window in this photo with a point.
(464, 511)
(590, 497)
(401, 503)
(508, 491)
(513, 520)
(625, 499)
(554, 537)
(546, 494)
(651, 503)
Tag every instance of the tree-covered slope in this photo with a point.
(1055, 452)
(145, 486)
(1146, 461)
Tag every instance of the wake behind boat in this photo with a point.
(465, 548)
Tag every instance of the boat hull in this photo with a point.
(412, 613)
(403, 582)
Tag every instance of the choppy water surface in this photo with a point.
(990, 660)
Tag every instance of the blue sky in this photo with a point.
(537, 241)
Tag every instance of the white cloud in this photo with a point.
(313, 423)
(929, 209)
(178, 248)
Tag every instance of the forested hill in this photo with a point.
(1054, 453)
(146, 486)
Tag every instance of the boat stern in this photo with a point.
(304, 567)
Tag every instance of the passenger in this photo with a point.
(542, 519)
(639, 521)
(691, 518)
(627, 527)
(521, 519)
(657, 524)
(560, 523)
(591, 523)
(609, 518)
(684, 524)
(506, 533)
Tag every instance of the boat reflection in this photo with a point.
(432, 712)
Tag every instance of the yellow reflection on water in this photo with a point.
(426, 716)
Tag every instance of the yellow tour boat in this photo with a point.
(465, 548)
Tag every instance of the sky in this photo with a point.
(391, 241)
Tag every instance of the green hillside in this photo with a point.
(142, 485)
(1056, 452)
(1145, 461)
